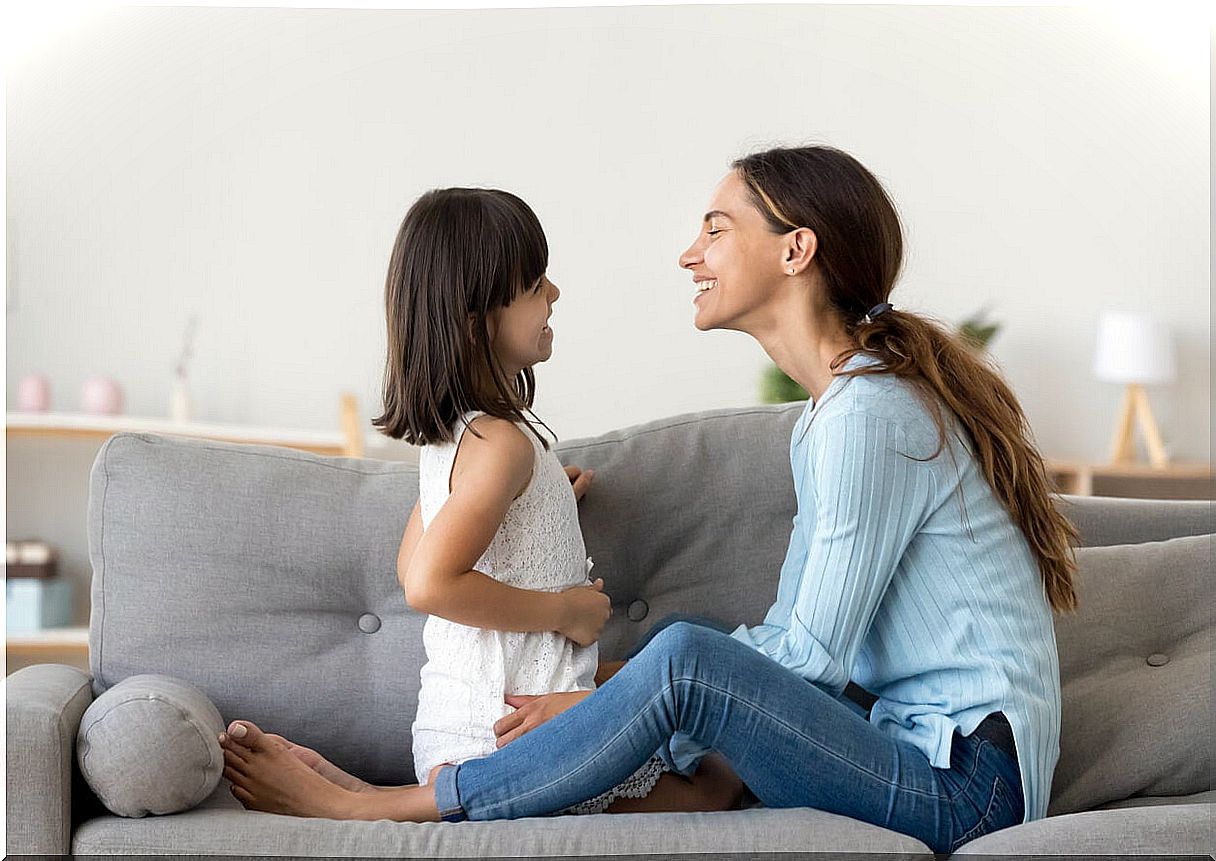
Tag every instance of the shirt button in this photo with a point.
(369, 623)
(637, 610)
(1158, 660)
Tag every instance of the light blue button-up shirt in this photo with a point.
(909, 578)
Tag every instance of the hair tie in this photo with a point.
(876, 312)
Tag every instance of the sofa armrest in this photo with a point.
(45, 703)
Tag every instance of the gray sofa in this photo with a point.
(266, 578)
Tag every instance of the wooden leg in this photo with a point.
(1122, 448)
(351, 429)
(1152, 434)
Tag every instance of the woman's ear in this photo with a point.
(800, 248)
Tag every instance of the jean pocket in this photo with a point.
(999, 814)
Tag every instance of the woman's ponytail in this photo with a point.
(948, 372)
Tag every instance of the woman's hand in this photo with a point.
(587, 610)
(580, 480)
(531, 712)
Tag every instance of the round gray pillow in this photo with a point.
(148, 745)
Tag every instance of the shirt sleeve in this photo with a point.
(870, 498)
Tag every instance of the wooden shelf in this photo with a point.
(350, 442)
(1137, 480)
(49, 640)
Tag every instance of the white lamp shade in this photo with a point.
(1133, 348)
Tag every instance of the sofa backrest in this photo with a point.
(266, 576)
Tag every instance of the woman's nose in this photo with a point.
(691, 256)
(554, 293)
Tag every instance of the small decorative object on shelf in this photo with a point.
(179, 401)
(29, 559)
(101, 396)
(34, 394)
(35, 598)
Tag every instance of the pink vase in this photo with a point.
(34, 394)
(101, 396)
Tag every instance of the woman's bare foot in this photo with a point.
(318, 763)
(266, 775)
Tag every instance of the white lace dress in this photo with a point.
(469, 671)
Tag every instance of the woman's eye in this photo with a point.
(713, 232)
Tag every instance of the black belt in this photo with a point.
(995, 728)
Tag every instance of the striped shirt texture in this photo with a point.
(910, 578)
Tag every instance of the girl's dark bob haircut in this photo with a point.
(460, 253)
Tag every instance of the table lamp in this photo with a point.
(1137, 351)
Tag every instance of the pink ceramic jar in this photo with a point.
(34, 394)
(101, 396)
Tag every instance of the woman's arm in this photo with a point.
(436, 571)
(868, 501)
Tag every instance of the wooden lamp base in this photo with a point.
(1135, 411)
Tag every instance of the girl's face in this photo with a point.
(736, 261)
(519, 333)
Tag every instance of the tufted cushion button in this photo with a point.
(1158, 660)
(637, 610)
(369, 623)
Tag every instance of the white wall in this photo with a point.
(252, 166)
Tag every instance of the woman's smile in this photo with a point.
(703, 285)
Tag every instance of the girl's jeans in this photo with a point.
(792, 744)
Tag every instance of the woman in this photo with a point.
(925, 560)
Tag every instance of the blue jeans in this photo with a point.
(792, 744)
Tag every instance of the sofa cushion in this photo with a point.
(220, 826)
(148, 745)
(1183, 829)
(1136, 671)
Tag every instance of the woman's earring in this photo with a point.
(791, 271)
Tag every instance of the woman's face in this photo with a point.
(736, 261)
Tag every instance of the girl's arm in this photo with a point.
(436, 572)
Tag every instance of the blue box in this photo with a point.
(35, 603)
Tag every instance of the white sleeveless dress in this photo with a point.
(469, 671)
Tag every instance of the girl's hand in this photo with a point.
(580, 480)
(531, 712)
(587, 610)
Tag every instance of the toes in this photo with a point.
(242, 795)
(247, 734)
(235, 760)
(230, 747)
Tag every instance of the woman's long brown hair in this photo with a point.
(859, 254)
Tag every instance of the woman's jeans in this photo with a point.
(791, 743)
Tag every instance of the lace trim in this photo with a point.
(637, 785)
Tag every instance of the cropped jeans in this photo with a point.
(791, 743)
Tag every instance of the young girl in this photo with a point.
(492, 551)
